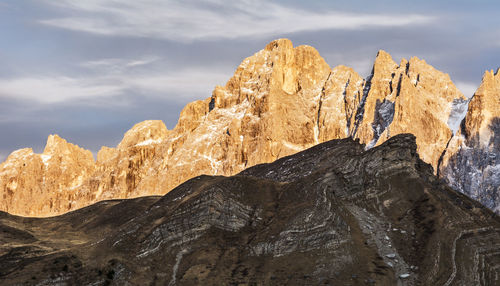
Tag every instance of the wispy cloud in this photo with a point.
(191, 20)
(56, 89)
(115, 77)
(116, 63)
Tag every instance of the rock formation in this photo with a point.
(334, 214)
(280, 101)
(471, 163)
(47, 183)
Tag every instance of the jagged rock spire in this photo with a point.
(281, 100)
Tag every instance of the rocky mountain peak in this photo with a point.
(471, 163)
(411, 97)
(383, 64)
(281, 100)
(483, 113)
(54, 142)
(144, 133)
(43, 184)
(58, 146)
(279, 44)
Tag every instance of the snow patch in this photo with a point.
(247, 90)
(384, 114)
(215, 164)
(149, 142)
(45, 159)
(457, 114)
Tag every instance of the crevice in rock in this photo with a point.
(320, 103)
(398, 89)
(361, 107)
(211, 104)
(441, 157)
(390, 82)
(348, 116)
(384, 114)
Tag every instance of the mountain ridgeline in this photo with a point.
(334, 214)
(280, 101)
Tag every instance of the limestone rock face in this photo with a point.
(471, 163)
(48, 183)
(281, 100)
(411, 97)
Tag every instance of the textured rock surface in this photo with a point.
(410, 98)
(333, 214)
(280, 101)
(471, 163)
(35, 184)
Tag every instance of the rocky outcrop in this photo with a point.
(471, 163)
(281, 100)
(411, 97)
(333, 214)
(37, 184)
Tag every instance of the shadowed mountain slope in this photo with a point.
(332, 214)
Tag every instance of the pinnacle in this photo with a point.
(53, 141)
(382, 54)
(383, 61)
(279, 44)
(253, 119)
(489, 78)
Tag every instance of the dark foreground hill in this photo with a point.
(333, 214)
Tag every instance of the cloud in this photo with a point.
(56, 89)
(119, 64)
(190, 81)
(192, 20)
(116, 77)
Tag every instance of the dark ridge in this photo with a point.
(333, 214)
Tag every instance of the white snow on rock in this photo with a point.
(45, 159)
(149, 142)
(457, 114)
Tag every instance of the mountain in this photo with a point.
(333, 214)
(471, 163)
(281, 100)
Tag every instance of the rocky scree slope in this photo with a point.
(281, 100)
(333, 214)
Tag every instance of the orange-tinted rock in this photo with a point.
(281, 100)
(48, 183)
(411, 97)
(484, 108)
(471, 163)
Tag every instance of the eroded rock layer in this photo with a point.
(334, 214)
(281, 100)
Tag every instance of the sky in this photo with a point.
(89, 70)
